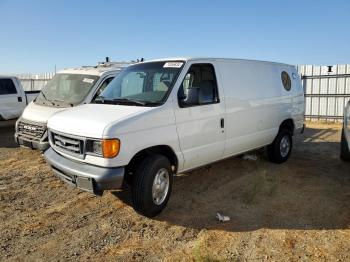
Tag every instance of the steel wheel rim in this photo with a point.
(285, 146)
(160, 186)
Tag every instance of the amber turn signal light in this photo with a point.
(110, 147)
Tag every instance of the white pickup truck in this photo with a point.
(169, 116)
(13, 99)
(345, 135)
(68, 88)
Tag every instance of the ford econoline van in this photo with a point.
(68, 88)
(163, 117)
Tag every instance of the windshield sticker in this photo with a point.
(88, 80)
(173, 64)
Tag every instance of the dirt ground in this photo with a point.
(296, 211)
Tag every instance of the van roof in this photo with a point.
(98, 70)
(5, 76)
(214, 58)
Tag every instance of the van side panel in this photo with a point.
(296, 99)
(256, 103)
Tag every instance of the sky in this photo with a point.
(38, 35)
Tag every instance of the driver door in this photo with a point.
(200, 120)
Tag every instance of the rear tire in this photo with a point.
(344, 148)
(152, 184)
(279, 151)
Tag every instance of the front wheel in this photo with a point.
(152, 185)
(280, 149)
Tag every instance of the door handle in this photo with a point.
(222, 123)
(19, 99)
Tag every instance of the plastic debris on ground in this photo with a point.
(222, 218)
(250, 157)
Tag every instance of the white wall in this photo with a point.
(326, 92)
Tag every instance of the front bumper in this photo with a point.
(31, 143)
(87, 177)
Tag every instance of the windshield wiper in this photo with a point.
(63, 102)
(128, 100)
(151, 103)
(101, 99)
(44, 96)
(124, 100)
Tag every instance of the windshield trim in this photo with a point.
(63, 103)
(165, 98)
(148, 103)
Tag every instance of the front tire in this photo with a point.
(279, 151)
(344, 148)
(152, 185)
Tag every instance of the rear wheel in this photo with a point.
(344, 148)
(152, 185)
(280, 149)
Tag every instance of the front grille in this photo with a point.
(31, 129)
(68, 144)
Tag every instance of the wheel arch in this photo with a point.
(287, 124)
(164, 150)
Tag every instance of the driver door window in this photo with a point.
(103, 86)
(7, 87)
(199, 86)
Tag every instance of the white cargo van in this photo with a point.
(169, 116)
(13, 99)
(68, 88)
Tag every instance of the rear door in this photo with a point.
(11, 101)
(201, 126)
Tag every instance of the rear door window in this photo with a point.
(7, 87)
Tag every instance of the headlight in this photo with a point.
(97, 147)
(107, 148)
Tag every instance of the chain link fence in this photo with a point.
(34, 82)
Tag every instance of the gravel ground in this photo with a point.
(296, 211)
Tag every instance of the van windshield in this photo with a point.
(66, 89)
(145, 84)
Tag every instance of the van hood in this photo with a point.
(39, 113)
(90, 120)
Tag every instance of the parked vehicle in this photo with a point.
(13, 99)
(345, 135)
(68, 88)
(163, 117)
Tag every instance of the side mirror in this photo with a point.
(192, 97)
